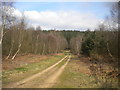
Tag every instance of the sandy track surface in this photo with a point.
(52, 80)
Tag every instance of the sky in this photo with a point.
(63, 15)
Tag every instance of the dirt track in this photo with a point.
(45, 79)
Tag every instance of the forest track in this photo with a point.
(48, 79)
(52, 80)
(31, 78)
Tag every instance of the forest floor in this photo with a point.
(63, 70)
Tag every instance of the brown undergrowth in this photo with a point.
(104, 69)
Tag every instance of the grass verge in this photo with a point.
(19, 73)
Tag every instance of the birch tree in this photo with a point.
(6, 17)
(20, 30)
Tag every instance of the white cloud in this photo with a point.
(17, 13)
(60, 19)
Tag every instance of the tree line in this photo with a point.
(21, 41)
(103, 40)
(17, 39)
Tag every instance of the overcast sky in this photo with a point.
(63, 15)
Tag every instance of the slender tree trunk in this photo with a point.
(20, 43)
(109, 50)
(48, 48)
(1, 36)
(77, 42)
(36, 46)
(10, 50)
(43, 49)
(2, 28)
(57, 50)
(17, 51)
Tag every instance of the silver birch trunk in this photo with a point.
(10, 50)
(20, 43)
(17, 51)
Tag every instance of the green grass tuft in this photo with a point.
(21, 69)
